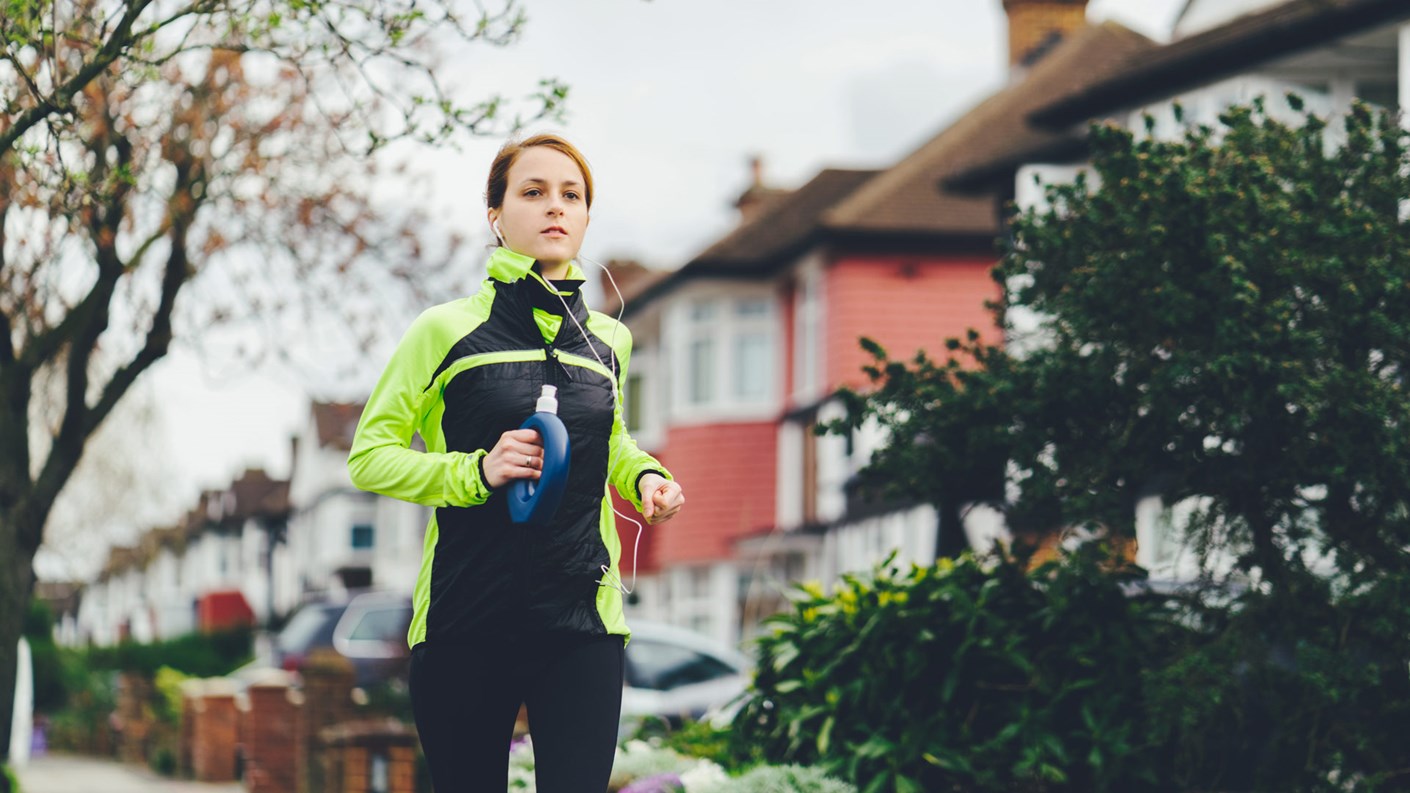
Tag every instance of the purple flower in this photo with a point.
(661, 783)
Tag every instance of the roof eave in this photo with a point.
(983, 177)
(1199, 66)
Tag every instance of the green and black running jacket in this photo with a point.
(466, 372)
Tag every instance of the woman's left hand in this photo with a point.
(661, 498)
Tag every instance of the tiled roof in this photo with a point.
(336, 423)
(916, 193)
(632, 279)
(775, 231)
(1240, 44)
(256, 495)
(908, 199)
(783, 225)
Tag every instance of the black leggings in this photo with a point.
(465, 699)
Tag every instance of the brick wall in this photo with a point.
(214, 732)
(134, 716)
(354, 752)
(727, 472)
(328, 682)
(270, 729)
(905, 304)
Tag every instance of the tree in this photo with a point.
(1223, 320)
(121, 484)
(149, 148)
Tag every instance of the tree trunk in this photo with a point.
(16, 586)
(950, 537)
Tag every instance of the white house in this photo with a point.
(341, 537)
(1223, 52)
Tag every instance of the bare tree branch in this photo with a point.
(61, 102)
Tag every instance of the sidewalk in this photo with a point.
(66, 773)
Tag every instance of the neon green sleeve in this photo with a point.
(626, 462)
(381, 460)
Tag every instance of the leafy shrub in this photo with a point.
(696, 738)
(973, 676)
(167, 704)
(197, 655)
(1305, 692)
(961, 676)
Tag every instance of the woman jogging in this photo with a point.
(512, 613)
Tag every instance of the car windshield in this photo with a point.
(660, 667)
(304, 629)
(382, 625)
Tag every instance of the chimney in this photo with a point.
(1035, 26)
(757, 196)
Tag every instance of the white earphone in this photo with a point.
(616, 583)
(616, 398)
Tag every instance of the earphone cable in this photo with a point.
(617, 400)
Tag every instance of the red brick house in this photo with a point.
(738, 352)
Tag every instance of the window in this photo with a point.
(702, 370)
(807, 332)
(752, 372)
(728, 352)
(699, 583)
(658, 666)
(382, 625)
(362, 536)
(634, 412)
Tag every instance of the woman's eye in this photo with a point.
(531, 193)
(571, 195)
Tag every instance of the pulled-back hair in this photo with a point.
(499, 170)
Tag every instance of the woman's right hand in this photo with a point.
(517, 455)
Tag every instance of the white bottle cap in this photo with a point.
(548, 402)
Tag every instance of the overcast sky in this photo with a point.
(668, 99)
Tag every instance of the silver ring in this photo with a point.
(528, 461)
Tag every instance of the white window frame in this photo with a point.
(649, 435)
(724, 329)
(808, 332)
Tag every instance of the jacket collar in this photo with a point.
(507, 266)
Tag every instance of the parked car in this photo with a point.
(675, 674)
(368, 629)
(672, 673)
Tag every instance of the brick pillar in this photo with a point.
(370, 757)
(328, 684)
(215, 732)
(134, 692)
(270, 735)
(190, 689)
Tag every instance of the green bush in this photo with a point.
(81, 725)
(978, 676)
(961, 676)
(1308, 692)
(697, 739)
(196, 654)
(8, 783)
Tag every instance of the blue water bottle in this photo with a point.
(533, 501)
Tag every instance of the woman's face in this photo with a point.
(545, 212)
